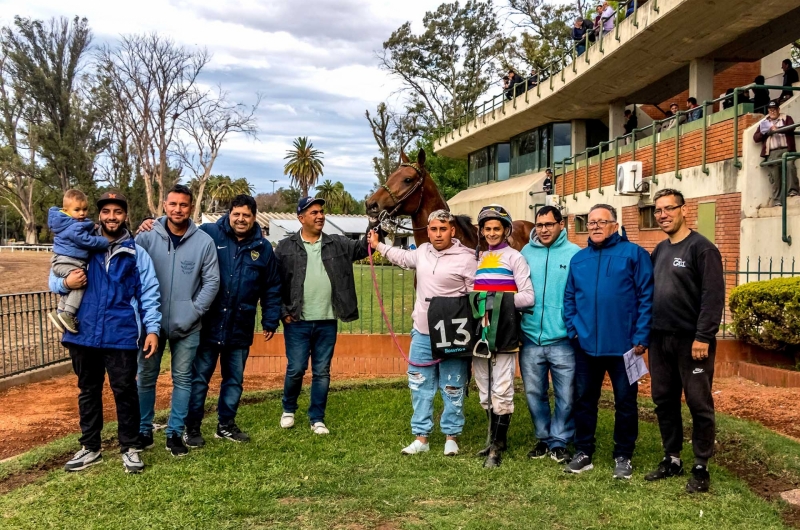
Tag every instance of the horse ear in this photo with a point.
(421, 158)
(403, 158)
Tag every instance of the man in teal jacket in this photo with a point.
(545, 346)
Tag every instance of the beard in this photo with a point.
(116, 233)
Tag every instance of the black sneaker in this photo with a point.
(83, 459)
(580, 462)
(231, 432)
(146, 440)
(622, 468)
(540, 451)
(666, 468)
(192, 437)
(560, 455)
(175, 445)
(700, 480)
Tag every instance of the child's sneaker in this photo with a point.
(68, 321)
(53, 316)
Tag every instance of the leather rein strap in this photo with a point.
(398, 202)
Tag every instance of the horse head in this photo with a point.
(402, 193)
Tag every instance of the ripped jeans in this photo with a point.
(449, 376)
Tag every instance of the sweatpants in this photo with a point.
(62, 266)
(91, 366)
(673, 372)
(504, 365)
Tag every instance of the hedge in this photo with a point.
(767, 314)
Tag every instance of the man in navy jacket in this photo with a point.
(608, 306)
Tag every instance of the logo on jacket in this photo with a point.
(187, 266)
(698, 371)
(254, 255)
(678, 262)
(562, 267)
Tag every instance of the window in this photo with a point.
(647, 218)
(562, 141)
(707, 220)
(544, 147)
(479, 167)
(524, 153)
(503, 161)
(581, 224)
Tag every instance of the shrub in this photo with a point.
(767, 314)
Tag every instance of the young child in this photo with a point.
(74, 240)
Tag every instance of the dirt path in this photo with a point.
(24, 272)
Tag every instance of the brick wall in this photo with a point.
(740, 74)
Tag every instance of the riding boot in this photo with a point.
(500, 441)
(492, 419)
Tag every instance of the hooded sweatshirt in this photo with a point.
(74, 238)
(549, 268)
(503, 269)
(448, 272)
(188, 276)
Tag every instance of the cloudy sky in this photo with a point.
(314, 62)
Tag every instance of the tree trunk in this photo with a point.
(30, 232)
(198, 201)
(148, 188)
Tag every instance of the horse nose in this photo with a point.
(372, 207)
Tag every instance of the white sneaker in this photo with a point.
(287, 420)
(319, 428)
(416, 447)
(450, 448)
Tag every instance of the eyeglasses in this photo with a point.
(666, 210)
(602, 224)
(547, 226)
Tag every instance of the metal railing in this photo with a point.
(545, 74)
(784, 161)
(27, 338)
(26, 248)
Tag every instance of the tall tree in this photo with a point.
(545, 31)
(221, 191)
(331, 194)
(207, 126)
(392, 133)
(448, 66)
(304, 164)
(156, 82)
(46, 60)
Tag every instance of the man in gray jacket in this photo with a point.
(185, 260)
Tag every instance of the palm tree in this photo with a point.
(304, 164)
(330, 192)
(221, 190)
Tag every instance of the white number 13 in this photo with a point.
(461, 331)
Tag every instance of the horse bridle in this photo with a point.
(398, 201)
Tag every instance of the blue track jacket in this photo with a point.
(608, 300)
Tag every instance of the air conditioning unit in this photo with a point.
(646, 189)
(552, 200)
(629, 178)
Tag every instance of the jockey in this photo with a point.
(500, 269)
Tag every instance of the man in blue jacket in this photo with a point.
(119, 309)
(248, 275)
(608, 305)
(545, 346)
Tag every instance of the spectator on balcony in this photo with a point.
(774, 145)
(760, 96)
(547, 185)
(743, 97)
(533, 79)
(510, 83)
(676, 118)
(579, 36)
(632, 6)
(696, 112)
(608, 17)
(790, 77)
(588, 27)
(598, 20)
(631, 123)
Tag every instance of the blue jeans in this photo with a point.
(589, 374)
(183, 352)
(535, 362)
(580, 48)
(313, 339)
(231, 364)
(449, 376)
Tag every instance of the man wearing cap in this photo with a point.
(185, 260)
(120, 306)
(317, 289)
(773, 146)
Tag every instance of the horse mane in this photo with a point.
(464, 222)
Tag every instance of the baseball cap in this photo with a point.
(773, 105)
(112, 196)
(305, 202)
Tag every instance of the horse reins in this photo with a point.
(398, 202)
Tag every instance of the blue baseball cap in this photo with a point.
(305, 202)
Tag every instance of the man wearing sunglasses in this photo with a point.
(687, 308)
(608, 304)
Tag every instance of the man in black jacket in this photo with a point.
(790, 77)
(688, 301)
(317, 290)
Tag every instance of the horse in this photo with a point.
(411, 191)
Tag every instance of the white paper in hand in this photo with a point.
(635, 366)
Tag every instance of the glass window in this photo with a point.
(479, 167)
(647, 218)
(581, 224)
(544, 147)
(562, 141)
(503, 161)
(524, 153)
(707, 220)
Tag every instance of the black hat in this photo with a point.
(773, 105)
(305, 202)
(112, 196)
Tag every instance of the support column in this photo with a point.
(578, 140)
(616, 118)
(701, 80)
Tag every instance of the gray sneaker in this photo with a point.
(580, 463)
(69, 322)
(132, 461)
(53, 316)
(623, 468)
(83, 459)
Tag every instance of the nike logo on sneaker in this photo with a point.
(698, 371)
(219, 248)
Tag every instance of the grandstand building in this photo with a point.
(573, 122)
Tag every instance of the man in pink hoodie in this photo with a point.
(444, 267)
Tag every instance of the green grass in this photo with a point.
(356, 478)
